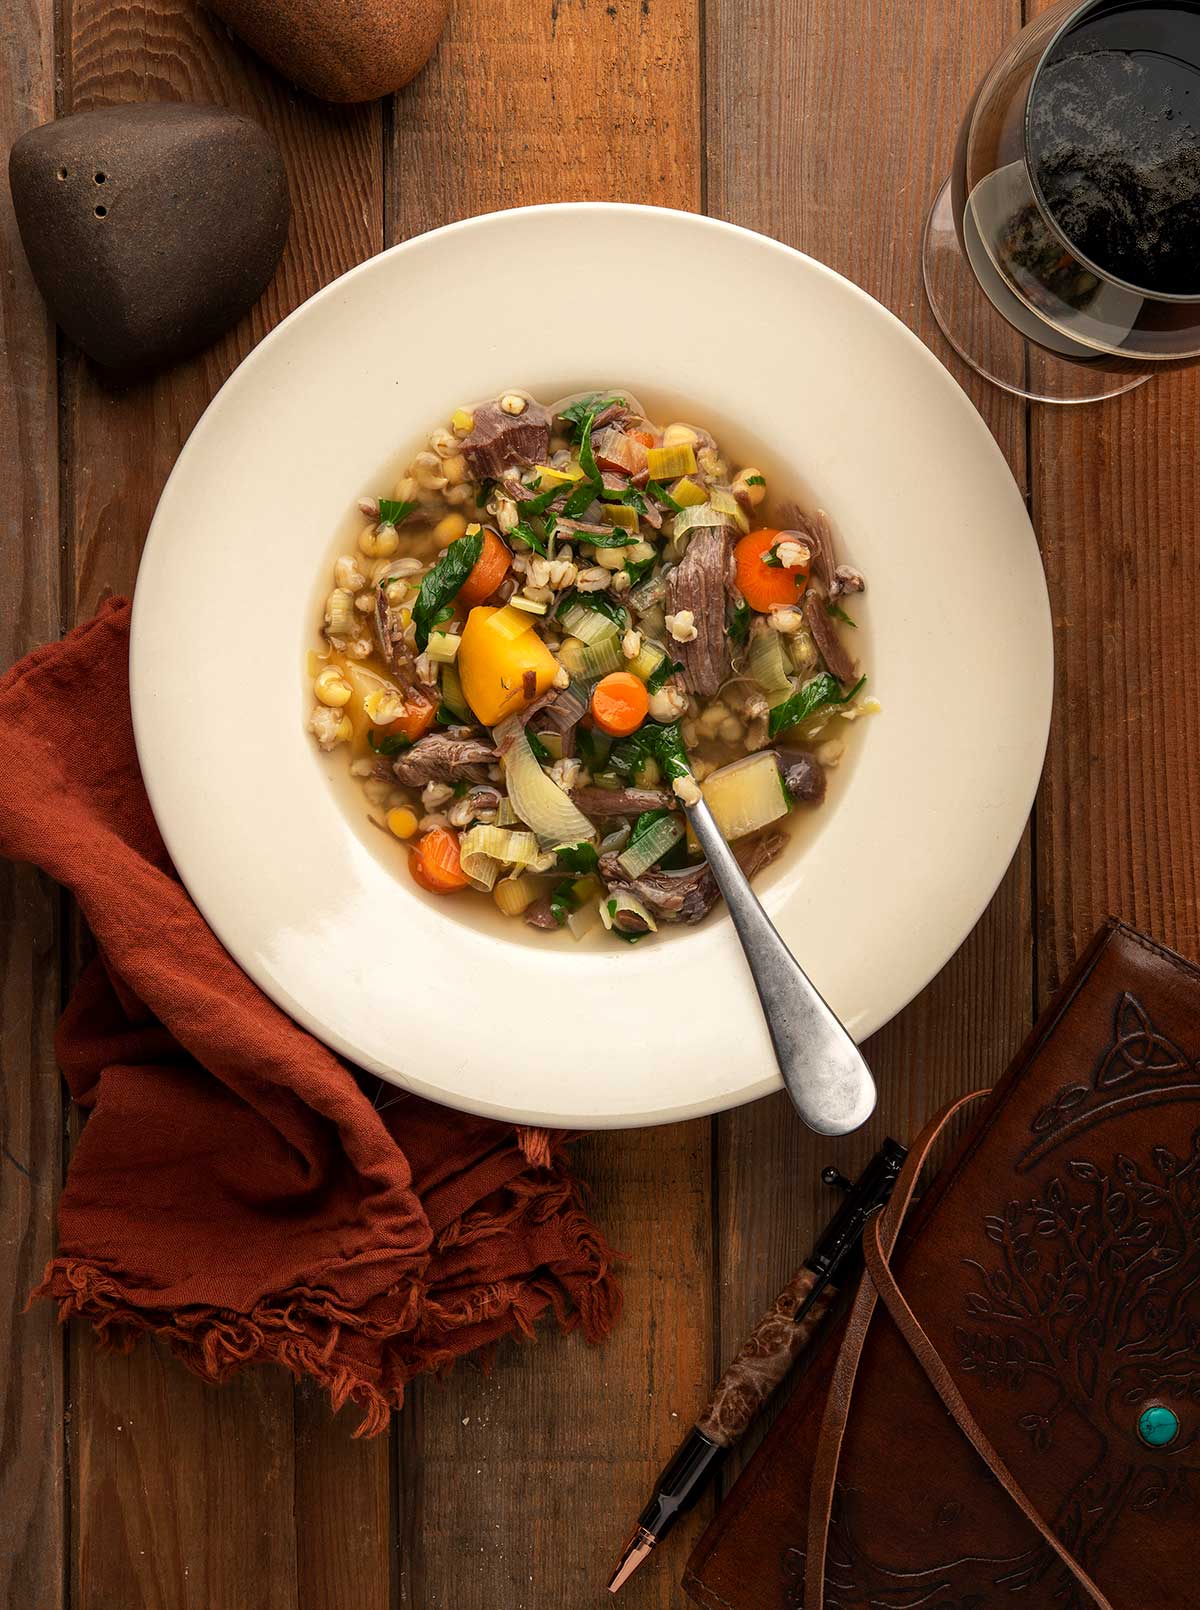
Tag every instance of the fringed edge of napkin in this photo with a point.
(421, 1332)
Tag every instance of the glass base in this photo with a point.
(987, 341)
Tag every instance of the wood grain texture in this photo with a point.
(252, 1495)
(517, 1489)
(32, 1476)
(1117, 499)
(830, 126)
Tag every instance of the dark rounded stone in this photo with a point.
(150, 229)
(340, 50)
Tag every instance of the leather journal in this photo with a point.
(1009, 1415)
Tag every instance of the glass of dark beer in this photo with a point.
(1062, 256)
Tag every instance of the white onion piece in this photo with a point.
(540, 803)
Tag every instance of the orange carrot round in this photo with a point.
(620, 703)
(488, 571)
(434, 862)
(766, 587)
(419, 712)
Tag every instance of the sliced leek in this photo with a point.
(621, 514)
(452, 695)
(664, 463)
(589, 625)
(582, 922)
(442, 647)
(688, 492)
(768, 663)
(646, 661)
(483, 850)
(597, 659)
(612, 908)
(528, 606)
(698, 514)
(725, 503)
(650, 846)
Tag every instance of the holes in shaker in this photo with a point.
(99, 178)
(62, 174)
(101, 212)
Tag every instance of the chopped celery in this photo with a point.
(665, 462)
(687, 492)
(442, 647)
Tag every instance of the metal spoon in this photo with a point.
(829, 1082)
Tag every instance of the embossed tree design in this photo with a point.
(1091, 1308)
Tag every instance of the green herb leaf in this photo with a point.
(755, 480)
(587, 457)
(596, 601)
(638, 568)
(670, 751)
(738, 629)
(644, 823)
(390, 744)
(582, 498)
(394, 512)
(486, 487)
(593, 746)
(629, 495)
(562, 901)
(587, 407)
(441, 585)
(813, 696)
(618, 537)
(540, 753)
(661, 673)
(529, 536)
(771, 557)
(577, 857)
(628, 755)
(661, 495)
(839, 614)
(446, 717)
(541, 503)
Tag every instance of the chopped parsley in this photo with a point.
(596, 601)
(839, 614)
(813, 696)
(738, 628)
(540, 753)
(586, 409)
(666, 668)
(637, 568)
(577, 857)
(755, 480)
(392, 511)
(629, 495)
(661, 495)
(526, 534)
(441, 585)
(390, 744)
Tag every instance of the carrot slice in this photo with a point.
(434, 862)
(419, 713)
(488, 571)
(620, 703)
(766, 587)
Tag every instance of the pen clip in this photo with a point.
(842, 1238)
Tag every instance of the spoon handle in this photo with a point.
(824, 1071)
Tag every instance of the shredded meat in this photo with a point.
(539, 914)
(803, 776)
(581, 528)
(698, 583)
(815, 532)
(499, 439)
(847, 579)
(603, 803)
(437, 759)
(825, 634)
(690, 895)
(477, 804)
(614, 414)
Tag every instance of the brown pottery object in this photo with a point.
(340, 50)
(151, 228)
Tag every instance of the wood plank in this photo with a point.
(517, 1488)
(32, 1475)
(248, 1495)
(1117, 500)
(839, 151)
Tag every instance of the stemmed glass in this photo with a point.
(1062, 256)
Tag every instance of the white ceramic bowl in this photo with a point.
(700, 319)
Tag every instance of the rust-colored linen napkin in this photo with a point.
(236, 1189)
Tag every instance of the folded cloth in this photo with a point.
(237, 1189)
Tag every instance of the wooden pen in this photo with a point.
(765, 1357)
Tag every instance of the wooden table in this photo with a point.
(124, 1482)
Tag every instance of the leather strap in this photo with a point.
(879, 1240)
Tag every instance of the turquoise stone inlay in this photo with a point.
(1158, 1425)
